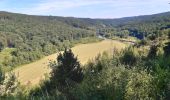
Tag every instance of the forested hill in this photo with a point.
(25, 38)
(161, 17)
(145, 19)
(88, 22)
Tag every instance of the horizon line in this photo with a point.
(45, 15)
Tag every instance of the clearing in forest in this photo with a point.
(32, 73)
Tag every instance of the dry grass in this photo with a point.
(34, 72)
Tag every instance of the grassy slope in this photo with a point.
(34, 72)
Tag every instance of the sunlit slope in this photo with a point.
(86, 52)
(32, 73)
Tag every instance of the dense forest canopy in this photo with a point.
(141, 71)
(31, 37)
(25, 38)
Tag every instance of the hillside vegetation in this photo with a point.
(31, 74)
(138, 72)
(33, 37)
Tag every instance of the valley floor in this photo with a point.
(34, 72)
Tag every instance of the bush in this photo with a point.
(142, 42)
(114, 82)
(10, 86)
(129, 57)
(103, 81)
(167, 49)
(139, 86)
(106, 78)
(162, 82)
(153, 51)
(2, 76)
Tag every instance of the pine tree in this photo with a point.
(66, 72)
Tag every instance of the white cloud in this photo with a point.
(91, 8)
(55, 5)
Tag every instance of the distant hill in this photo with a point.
(88, 22)
(35, 36)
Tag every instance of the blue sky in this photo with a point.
(86, 8)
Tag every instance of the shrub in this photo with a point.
(10, 86)
(167, 49)
(139, 86)
(2, 76)
(129, 57)
(142, 42)
(153, 51)
(162, 82)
